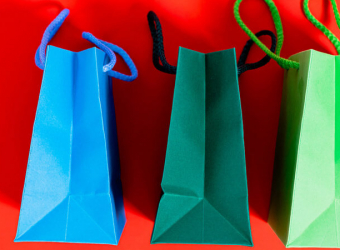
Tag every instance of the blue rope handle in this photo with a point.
(91, 38)
(40, 55)
(121, 52)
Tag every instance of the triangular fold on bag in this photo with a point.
(89, 220)
(180, 220)
(322, 232)
(219, 230)
(53, 223)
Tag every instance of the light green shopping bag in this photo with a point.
(304, 205)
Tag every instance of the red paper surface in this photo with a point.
(143, 107)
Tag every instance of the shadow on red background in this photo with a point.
(19, 93)
(143, 107)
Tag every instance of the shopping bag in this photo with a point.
(305, 194)
(72, 190)
(205, 198)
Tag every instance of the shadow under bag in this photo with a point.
(72, 189)
(205, 198)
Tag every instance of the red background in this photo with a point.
(144, 106)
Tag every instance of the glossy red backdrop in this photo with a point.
(144, 106)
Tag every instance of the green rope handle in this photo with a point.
(322, 27)
(284, 63)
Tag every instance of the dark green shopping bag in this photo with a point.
(205, 198)
(305, 199)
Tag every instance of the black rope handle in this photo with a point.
(160, 62)
(242, 66)
(158, 47)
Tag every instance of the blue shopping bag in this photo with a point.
(72, 190)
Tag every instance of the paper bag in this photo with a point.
(205, 196)
(72, 190)
(306, 192)
(306, 186)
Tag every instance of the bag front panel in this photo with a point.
(225, 187)
(89, 166)
(47, 179)
(185, 155)
(313, 208)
